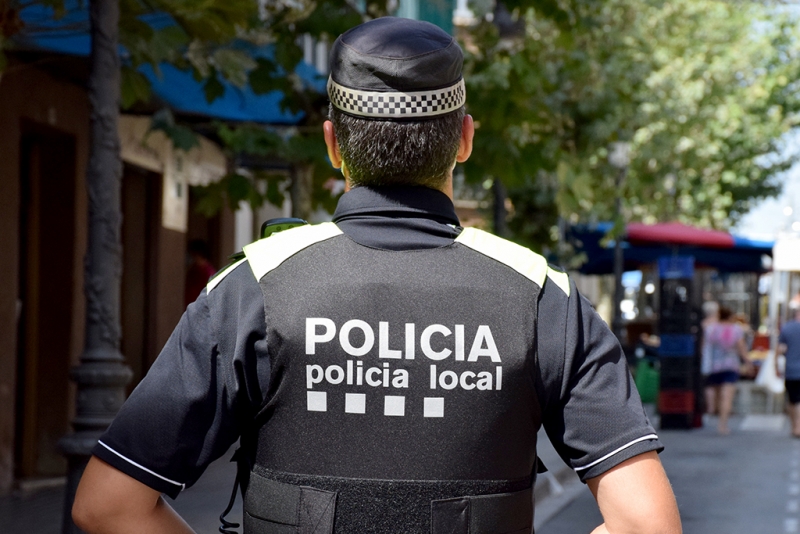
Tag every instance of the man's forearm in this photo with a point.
(162, 519)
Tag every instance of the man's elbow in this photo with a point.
(104, 497)
(659, 518)
(635, 497)
(650, 526)
(86, 515)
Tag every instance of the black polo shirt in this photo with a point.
(212, 375)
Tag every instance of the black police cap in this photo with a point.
(393, 68)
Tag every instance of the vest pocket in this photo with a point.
(502, 513)
(272, 507)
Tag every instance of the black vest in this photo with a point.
(403, 392)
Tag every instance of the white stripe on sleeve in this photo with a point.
(612, 453)
(143, 468)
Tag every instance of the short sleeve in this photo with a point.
(194, 400)
(591, 409)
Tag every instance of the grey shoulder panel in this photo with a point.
(526, 262)
(267, 254)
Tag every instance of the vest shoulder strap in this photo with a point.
(523, 260)
(269, 253)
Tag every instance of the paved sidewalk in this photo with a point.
(40, 512)
(744, 483)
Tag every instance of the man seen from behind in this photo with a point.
(386, 372)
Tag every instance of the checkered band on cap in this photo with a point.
(397, 105)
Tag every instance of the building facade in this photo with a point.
(44, 147)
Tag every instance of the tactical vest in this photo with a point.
(403, 393)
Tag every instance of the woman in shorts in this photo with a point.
(724, 350)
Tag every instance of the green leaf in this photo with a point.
(135, 87)
(234, 65)
(197, 55)
(213, 88)
(304, 148)
(210, 199)
(275, 194)
(182, 138)
(240, 188)
(288, 54)
(250, 139)
(329, 19)
(266, 77)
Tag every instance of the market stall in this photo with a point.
(680, 260)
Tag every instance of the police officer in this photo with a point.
(386, 372)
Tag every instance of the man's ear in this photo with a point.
(465, 144)
(333, 145)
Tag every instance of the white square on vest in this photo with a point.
(317, 401)
(395, 406)
(355, 403)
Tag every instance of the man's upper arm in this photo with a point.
(592, 412)
(189, 408)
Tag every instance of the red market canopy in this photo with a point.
(674, 233)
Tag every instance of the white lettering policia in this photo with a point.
(436, 342)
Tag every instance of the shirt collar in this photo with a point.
(403, 201)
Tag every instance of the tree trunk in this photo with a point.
(101, 375)
(302, 185)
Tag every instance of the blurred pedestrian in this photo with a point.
(710, 312)
(789, 345)
(748, 369)
(749, 333)
(199, 272)
(710, 316)
(724, 352)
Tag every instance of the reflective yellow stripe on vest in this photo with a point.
(523, 260)
(267, 254)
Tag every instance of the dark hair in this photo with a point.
(380, 153)
(725, 313)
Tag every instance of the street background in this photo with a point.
(610, 135)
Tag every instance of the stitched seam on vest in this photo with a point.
(267, 254)
(214, 282)
(526, 262)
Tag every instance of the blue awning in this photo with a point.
(69, 35)
(745, 255)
